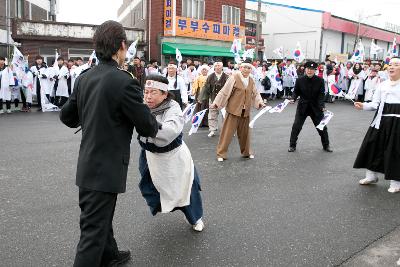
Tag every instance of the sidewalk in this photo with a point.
(383, 252)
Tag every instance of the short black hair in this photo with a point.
(60, 58)
(38, 57)
(108, 39)
(78, 58)
(153, 61)
(2, 58)
(70, 60)
(136, 58)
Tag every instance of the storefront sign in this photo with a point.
(205, 29)
(169, 17)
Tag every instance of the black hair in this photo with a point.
(2, 58)
(78, 58)
(136, 58)
(38, 57)
(60, 58)
(248, 61)
(71, 60)
(153, 61)
(161, 79)
(108, 39)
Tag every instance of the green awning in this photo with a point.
(196, 50)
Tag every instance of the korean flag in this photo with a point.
(196, 121)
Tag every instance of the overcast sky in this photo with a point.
(98, 11)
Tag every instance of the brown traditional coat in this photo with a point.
(235, 97)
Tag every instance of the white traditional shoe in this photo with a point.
(394, 187)
(220, 159)
(251, 157)
(211, 134)
(199, 226)
(8, 111)
(1, 111)
(367, 181)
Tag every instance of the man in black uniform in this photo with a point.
(107, 103)
(311, 90)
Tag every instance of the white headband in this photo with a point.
(150, 84)
(394, 60)
(172, 66)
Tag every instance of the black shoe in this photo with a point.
(327, 149)
(123, 256)
(292, 149)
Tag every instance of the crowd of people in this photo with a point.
(273, 80)
(124, 97)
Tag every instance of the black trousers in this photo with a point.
(298, 125)
(97, 245)
(38, 94)
(8, 104)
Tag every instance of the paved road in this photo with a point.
(281, 209)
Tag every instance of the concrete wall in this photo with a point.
(285, 26)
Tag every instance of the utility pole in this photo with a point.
(8, 27)
(258, 30)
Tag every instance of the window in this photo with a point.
(20, 9)
(230, 15)
(193, 9)
(250, 29)
(144, 9)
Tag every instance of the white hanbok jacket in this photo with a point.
(62, 88)
(172, 173)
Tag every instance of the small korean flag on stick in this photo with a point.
(325, 120)
(131, 51)
(196, 121)
(188, 112)
(298, 54)
(279, 108)
(178, 56)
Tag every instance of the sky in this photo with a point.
(98, 11)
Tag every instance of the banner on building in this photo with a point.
(205, 29)
(169, 17)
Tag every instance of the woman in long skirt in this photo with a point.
(169, 179)
(380, 150)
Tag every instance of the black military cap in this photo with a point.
(311, 65)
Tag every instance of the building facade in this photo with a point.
(319, 33)
(198, 28)
(70, 40)
(37, 10)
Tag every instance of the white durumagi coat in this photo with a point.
(370, 87)
(36, 71)
(7, 80)
(62, 88)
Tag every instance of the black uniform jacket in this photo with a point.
(312, 93)
(213, 86)
(107, 103)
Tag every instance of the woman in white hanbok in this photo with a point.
(169, 179)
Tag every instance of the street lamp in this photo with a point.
(360, 19)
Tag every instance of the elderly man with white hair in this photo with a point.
(213, 85)
(238, 95)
